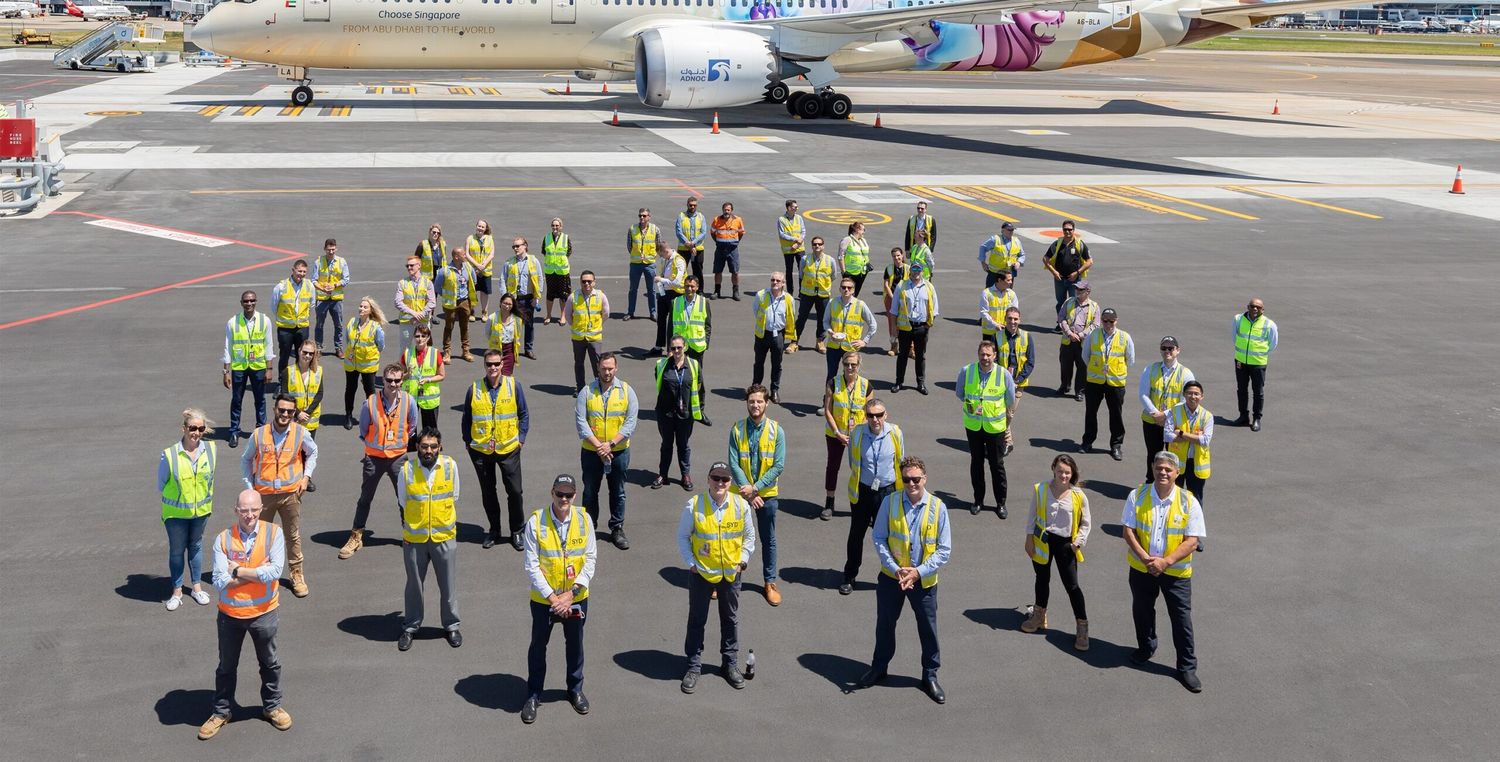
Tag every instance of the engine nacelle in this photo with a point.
(683, 67)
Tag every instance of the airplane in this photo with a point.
(20, 10)
(716, 54)
(97, 11)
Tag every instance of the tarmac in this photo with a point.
(1340, 609)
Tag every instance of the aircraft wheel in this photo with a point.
(810, 107)
(793, 100)
(837, 106)
(778, 92)
(302, 95)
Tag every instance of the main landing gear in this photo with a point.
(823, 104)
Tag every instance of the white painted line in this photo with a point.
(58, 290)
(879, 197)
(836, 178)
(700, 140)
(1039, 132)
(171, 235)
(1353, 169)
(765, 139)
(364, 160)
(1048, 235)
(102, 145)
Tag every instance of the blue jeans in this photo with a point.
(1063, 289)
(765, 532)
(322, 310)
(637, 271)
(185, 542)
(593, 473)
(256, 379)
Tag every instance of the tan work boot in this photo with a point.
(792, 348)
(892, 351)
(1037, 620)
(212, 726)
(299, 583)
(356, 541)
(279, 719)
(773, 595)
(822, 348)
(1081, 643)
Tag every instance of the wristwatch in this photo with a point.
(577, 590)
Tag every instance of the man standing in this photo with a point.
(279, 464)
(428, 493)
(1068, 260)
(458, 289)
(1016, 356)
(715, 539)
(679, 402)
(523, 278)
(774, 331)
(692, 232)
(605, 417)
(415, 300)
(1077, 319)
(876, 448)
(923, 223)
(248, 559)
(248, 352)
(1190, 428)
(387, 422)
(1160, 389)
(913, 542)
(849, 326)
(557, 264)
(561, 556)
(291, 303)
(1163, 524)
(989, 395)
(994, 300)
(694, 322)
(916, 311)
(1001, 254)
(330, 279)
(495, 424)
(1109, 354)
(728, 231)
(790, 231)
(1255, 337)
(641, 242)
(817, 289)
(757, 456)
(585, 313)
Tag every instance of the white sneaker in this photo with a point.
(201, 597)
(174, 602)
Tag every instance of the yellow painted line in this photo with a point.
(1023, 203)
(405, 90)
(764, 138)
(340, 110)
(922, 190)
(460, 91)
(489, 90)
(248, 110)
(1099, 194)
(291, 111)
(1175, 200)
(850, 187)
(1329, 207)
(374, 90)
(565, 189)
(211, 110)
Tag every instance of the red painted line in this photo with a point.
(38, 82)
(688, 188)
(289, 255)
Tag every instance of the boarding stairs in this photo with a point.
(88, 52)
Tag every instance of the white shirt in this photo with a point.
(1060, 515)
(685, 529)
(1158, 545)
(533, 558)
(1144, 387)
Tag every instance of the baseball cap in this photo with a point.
(720, 466)
(1008, 226)
(565, 480)
(1109, 312)
(1169, 341)
(1082, 285)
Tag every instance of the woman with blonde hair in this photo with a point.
(185, 479)
(365, 335)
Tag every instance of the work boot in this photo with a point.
(279, 718)
(736, 296)
(212, 726)
(792, 348)
(447, 356)
(773, 595)
(356, 541)
(892, 351)
(1037, 620)
(299, 583)
(822, 348)
(1081, 643)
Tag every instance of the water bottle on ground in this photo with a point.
(750, 665)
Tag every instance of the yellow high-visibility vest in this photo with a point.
(304, 389)
(606, 414)
(1166, 388)
(430, 514)
(643, 244)
(1040, 551)
(1177, 521)
(848, 404)
(495, 423)
(1192, 423)
(898, 538)
(717, 545)
(294, 304)
(740, 448)
(1107, 362)
(561, 557)
(588, 316)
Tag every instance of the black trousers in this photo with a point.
(695, 261)
(700, 592)
(675, 431)
(905, 341)
(510, 473)
(1190, 482)
(790, 262)
(773, 344)
(526, 311)
(541, 634)
(1253, 376)
(664, 318)
(581, 350)
(859, 281)
(1070, 365)
(807, 305)
(1152, 434)
(1178, 594)
(288, 342)
(1114, 397)
(986, 448)
(861, 516)
(429, 418)
(889, 599)
(1067, 570)
(702, 378)
(353, 379)
(373, 468)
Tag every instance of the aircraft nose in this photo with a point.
(202, 34)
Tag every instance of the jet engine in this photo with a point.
(685, 67)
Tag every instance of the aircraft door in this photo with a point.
(1120, 15)
(315, 10)
(564, 11)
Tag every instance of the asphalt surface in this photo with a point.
(1340, 610)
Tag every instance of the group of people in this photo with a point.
(886, 489)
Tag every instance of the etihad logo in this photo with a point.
(718, 69)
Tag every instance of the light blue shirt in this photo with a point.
(877, 457)
(775, 312)
(989, 246)
(271, 569)
(252, 453)
(882, 533)
(412, 417)
(581, 408)
(915, 296)
(685, 530)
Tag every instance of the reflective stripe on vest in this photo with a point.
(555, 255)
(903, 305)
(790, 227)
(1040, 551)
(364, 352)
(1177, 519)
(695, 400)
(1107, 363)
(718, 545)
(247, 342)
(429, 514)
(1014, 360)
(1184, 449)
(588, 316)
(1165, 388)
(995, 307)
(928, 223)
(331, 274)
(606, 415)
(1071, 309)
(499, 328)
(303, 390)
(1252, 341)
(294, 304)
(495, 425)
(189, 492)
(692, 323)
(856, 449)
(847, 403)
(984, 403)
(525, 266)
(432, 260)
(561, 561)
(921, 254)
(848, 320)
(643, 244)
(856, 256)
(387, 434)
(899, 533)
(249, 598)
(1002, 257)
(765, 447)
(276, 470)
(448, 293)
(429, 394)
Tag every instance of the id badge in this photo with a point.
(704, 551)
(571, 572)
(390, 436)
(239, 556)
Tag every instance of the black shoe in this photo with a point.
(404, 642)
(733, 677)
(1243, 420)
(1141, 656)
(1114, 452)
(528, 355)
(311, 487)
(1078, 397)
(704, 420)
(870, 678)
(528, 710)
(348, 421)
(1255, 425)
(618, 538)
(490, 540)
(455, 638)
(655, 352)
(1009, 448)
(516, 541)
(1190, 681)
(579, 701)
(775, 398)
(628, 318)
(690, 681)
(736, 296)
(847, 588)
(234, 440)
(1085, 447)
(827, 510)
(934, 691)
(659, 482)
(896, 387)
(1004, 514)
(975, 507)
(1062, 391)
(922, 389)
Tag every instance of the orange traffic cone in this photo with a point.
(1276, 108)
(1458, 181)
(569, 90)
(615, 121)
(877, 118)
(715, 130)
(605, 90)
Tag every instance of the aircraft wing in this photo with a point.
(960, 12)
(1260, 8)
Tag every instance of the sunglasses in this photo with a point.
(564, 495)
(283, 411)
(392, 382)
(196, 429)
(881, 414)
(586, 282)
(515, 246)
(489, 364)
(307, 354)
(718, 479)
(1067, 230)
(1167, 349)
(914, 479)
(1111, 322)
(247, 301)
(846, 288)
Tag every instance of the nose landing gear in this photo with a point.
(302, 94)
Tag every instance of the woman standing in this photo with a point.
(505, 333)
(304, 382)
(1058, 533)
(185, 478)
(895, 274)
(854, 257)
(481, 251)
(366, 336)
(843, 408)
(424, 375)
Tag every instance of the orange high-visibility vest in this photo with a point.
(248, 599)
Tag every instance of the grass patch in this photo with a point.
(1323, 45)
(171, 41)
